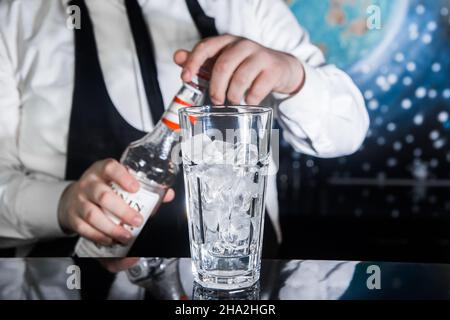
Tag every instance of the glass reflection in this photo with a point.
(201, 293)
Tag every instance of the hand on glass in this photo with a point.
(83, 203)
(242, 68)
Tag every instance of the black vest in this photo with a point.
(97, 130)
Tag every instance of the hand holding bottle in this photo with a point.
(242, 69)
(83, 204)
(147, 162)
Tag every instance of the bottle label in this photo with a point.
(144, 201)
(170, 118)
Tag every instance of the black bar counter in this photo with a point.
(171, 279)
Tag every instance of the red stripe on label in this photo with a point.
(182, 102)
(170, 124)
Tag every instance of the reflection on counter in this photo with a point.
(251, 293)
(171, 279)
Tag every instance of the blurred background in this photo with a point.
(391, 200)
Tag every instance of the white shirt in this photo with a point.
(327, 118)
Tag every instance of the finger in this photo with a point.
(102, 195)
(226, 64)
(242, 79)
(203, 51)
(90, 233)
(113, 171)
(115, 265)
(260, 88)
(169, 196)
(97, 219)
(180, 57)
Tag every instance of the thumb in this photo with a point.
(180, 57)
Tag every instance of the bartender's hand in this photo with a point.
(242, 66)
(82, 204)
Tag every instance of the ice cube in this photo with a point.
(240, 226)
(244, 191)
(211, 218)
(246, 154)
(200, 149)
(235, 230)
(193, 149)
(216, 183)
(219, 152)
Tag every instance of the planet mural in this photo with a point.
(391, 197)
(402, 67)
(339, 28)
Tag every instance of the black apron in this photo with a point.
(97, 131)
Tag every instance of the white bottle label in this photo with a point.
(144, 201)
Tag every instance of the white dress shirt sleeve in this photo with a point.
(328, 117)
(28, 206)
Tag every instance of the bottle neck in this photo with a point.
(189, 95)
(166, 131)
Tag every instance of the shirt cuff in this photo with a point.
(307, 104)
(306, 111)
(37, 205)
